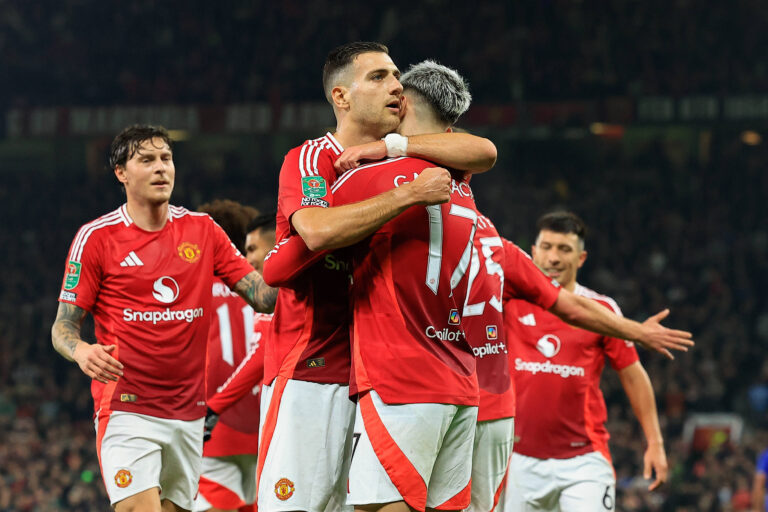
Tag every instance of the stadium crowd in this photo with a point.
(664, 231)
(668, 227)
(541, 50)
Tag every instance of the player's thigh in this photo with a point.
(588, 483)
(492, 448)
(130, 455)
(531, 484)
(182, 458)
(395, 449)
(227, 482)
(304, 438)
(449, 486)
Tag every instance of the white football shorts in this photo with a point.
(493, 447)
(138, 452)
(417, 453)
(304, 446)
(227, 483)
(585, 482)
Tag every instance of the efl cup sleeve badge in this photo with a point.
(284, 489)
(313, 186)
(123, 478)
(189, 252)
(73, 275)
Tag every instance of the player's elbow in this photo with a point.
(487, 149)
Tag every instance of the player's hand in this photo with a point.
(96, 362)
(211, 419)
(657, 337)
(655, 461)
(431, 186)
(353, 156)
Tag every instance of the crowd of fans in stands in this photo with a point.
(142, 51)
(685, 233)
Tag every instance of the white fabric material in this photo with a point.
(493, 447)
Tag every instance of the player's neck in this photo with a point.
(349, 133)
(148, 216)
(570, 286)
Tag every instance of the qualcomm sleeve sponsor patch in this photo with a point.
(68, 296)
(313, 201)
(73, 275)
(313, 186)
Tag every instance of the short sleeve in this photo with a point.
(83, 271)
(228, 264)
(524, 280)
(305, 179)
(620, 353)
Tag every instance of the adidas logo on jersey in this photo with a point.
(131, 261)
(528, 319)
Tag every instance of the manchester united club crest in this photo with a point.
(123, 478)
(284, 489)
(189, 252)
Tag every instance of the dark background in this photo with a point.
(645, 118)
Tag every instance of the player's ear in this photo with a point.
(340, 97)
(582, 258)
(120, 174)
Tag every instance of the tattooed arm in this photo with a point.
(256, 292)
(94, 360)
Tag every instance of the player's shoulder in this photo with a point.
(314, 148)
(599, 297)
(90, 232)
(179, 213)
(405, 168)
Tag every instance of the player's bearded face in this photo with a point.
(375, 93)
(149, 174)
(559, 255)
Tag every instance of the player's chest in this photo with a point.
(540, 334)
(163, 261)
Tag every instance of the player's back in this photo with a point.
(230, 340)
(409, 288)
(309, 339)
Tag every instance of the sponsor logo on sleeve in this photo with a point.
(313, 201)
(313, 186)
(284, 489)
(189, 252)
(68, 296)
(73, 275)
(123, 478)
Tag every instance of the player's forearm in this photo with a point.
(758, 492)
(637, 386)
(460, 151)
(258, 294)
(65, 333)
(341, 226)
(589, 315)
(288, 260)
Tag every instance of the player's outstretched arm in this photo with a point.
(258, 294)
(94, 360)
(637, 386)
(341, 226)
(588, 314)
(461, 151)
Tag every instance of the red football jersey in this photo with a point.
(498, 269)
(150, 295)
(557, 367)
(231, 338)
(309, 339)
(409, 288)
